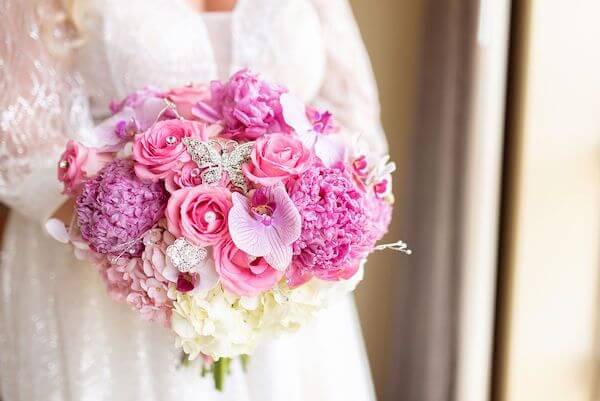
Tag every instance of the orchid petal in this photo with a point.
(280, 256)
(331, 149)
(208, 276)
(147, 113)
(104, 135)
(308, 139)
(247, 233)
(294, 113)
(286, 218)
(57, 230)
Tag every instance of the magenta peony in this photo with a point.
(248, 106)
(335, 225)
(116, 208)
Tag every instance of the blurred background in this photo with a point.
(492, 112)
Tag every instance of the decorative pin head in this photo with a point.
(185, 256)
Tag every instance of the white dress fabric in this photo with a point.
(61, 336)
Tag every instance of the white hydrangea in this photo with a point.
(221, 324)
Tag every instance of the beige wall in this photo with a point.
(391, 31)
(550, 322)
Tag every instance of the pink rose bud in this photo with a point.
(78, 163)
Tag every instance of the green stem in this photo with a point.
(220, 368)
(245, 359)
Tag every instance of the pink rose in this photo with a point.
(275, 158)
(188, 175)
(77, 163)
(241, 273)
(199, 214)
(186, 97)
(160, 149)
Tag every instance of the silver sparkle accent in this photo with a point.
(63, 164)
(399, 246)
(185, 256)
(217, 158)
(171, 140)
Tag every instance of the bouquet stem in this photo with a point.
(220, 369)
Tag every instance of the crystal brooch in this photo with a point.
(185, 256)
(215, 158)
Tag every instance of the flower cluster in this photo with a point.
(229, 212)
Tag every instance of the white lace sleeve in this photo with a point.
(41, 103)
(349, 90)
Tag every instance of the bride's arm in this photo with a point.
(349, 90)
(41, 104)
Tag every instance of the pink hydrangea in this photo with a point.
(248, 106)
(127, 281)
(116, 208)
(154, 258)
(335, 225)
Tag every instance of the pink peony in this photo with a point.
(186, 97)
(335, 226)
(379, 212)
(78, 163)
(115, 208)
(241, 273)
(199, 214)
(160, 149)
(248, 106)
(276, 157)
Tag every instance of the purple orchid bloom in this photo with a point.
(330, 148)
(131, 116)
(265, 225)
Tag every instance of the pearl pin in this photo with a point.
(63, 164)
(171, 140)
(210, 217)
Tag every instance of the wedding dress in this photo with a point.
(61, 336)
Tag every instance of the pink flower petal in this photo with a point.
(247, 233)
(294, 113)
(331, 149)
(280, 256)
(286, 218)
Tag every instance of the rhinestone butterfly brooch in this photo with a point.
(216, 157)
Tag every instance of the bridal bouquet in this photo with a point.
(227, 212)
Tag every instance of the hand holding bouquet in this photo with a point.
(227, 212)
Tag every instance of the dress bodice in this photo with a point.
(164, 43)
